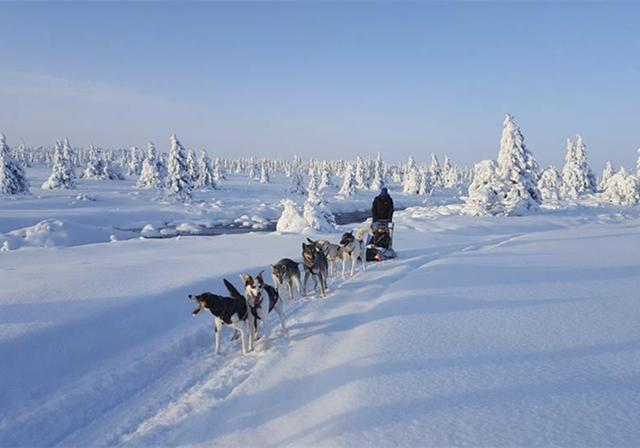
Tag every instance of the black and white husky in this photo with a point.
(333, 252)
(286, 272)
(261, 299)
(354, 247)
(316, 266)
(227, 311)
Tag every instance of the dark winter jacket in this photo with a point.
(382, 209)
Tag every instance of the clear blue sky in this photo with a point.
(325, 79)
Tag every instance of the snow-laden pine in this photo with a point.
(411, 179)
(135, 162)
(623, 189)
(518, 168)
(550, 184)
(435, 172)
(95, 165)
(296, 187)
(486, 191)
(317, 214)
(13, 179)
(205, 178)
(291, 220)
(577, 176)
(179, 181)
(348, 187)
(607, 174)
(264, 173)
(377, 182)
(152, 173)
(63, 174)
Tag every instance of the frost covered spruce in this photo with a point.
(411, 179)
(518, 168)
(607, 174)
(179, 181)
(205, 179)
(95, 165)
(577, 176)
(377, 182)
(296, 187)
(151, 175)
(622, 189)
(486, 190)
(348, 187)
(510, 188)
(63, 175)
(291, 220)
(13, 179)
(550, 184)
(317, 214)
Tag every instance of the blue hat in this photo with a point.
(384, 191)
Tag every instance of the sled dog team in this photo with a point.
(245, 314)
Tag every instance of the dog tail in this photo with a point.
(232, 290)
(361, 233)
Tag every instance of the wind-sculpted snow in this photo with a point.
(484, 332)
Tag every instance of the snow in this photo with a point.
(489, 331)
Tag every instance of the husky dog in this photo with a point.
(353, 247)
(333, 252)
(255, 292)
(315, 265)
(227, 311)
(286, 272)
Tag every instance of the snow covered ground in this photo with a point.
(485, 331)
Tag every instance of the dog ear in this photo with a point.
(246, 279)
(260, 276)
(311, 241)
(232, 290)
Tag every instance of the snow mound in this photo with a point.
(56, 232)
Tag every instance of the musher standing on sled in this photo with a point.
(381, 217)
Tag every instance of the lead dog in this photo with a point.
(261, 299)
(316, 266)
(354, 247)
(333, 252)
(286, 272)
(227, 311)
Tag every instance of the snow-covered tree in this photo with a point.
(411, 181)
(151, 175)
(435, 172)
(179, 181)
(516, 165)
(135, 162)
(63, 174)
(205, 172)
(486, 190)
(291, 220)
(426, 186)
(112, 169)
(264, 173)
(218, 172)
(577, 176)
(325, 177)
(296, 187)
(378, 175)
(607, 173)
(95, 165)
(638, 165)
(623, 189)
(550, 184)
(348, 187)
(192, 166)
(360, 175)
(313, 181)
(13, 179)
(450, 176)
(317, 213)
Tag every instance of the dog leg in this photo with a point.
(280, 313)
(344, 265)
(217, 328)
(363, 258)
(354, 258)
(306, 280)
(243, 336)
(265, 329)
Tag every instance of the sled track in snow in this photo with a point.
(159, 383)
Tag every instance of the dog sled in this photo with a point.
(380, 242)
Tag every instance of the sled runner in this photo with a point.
(380, 243)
